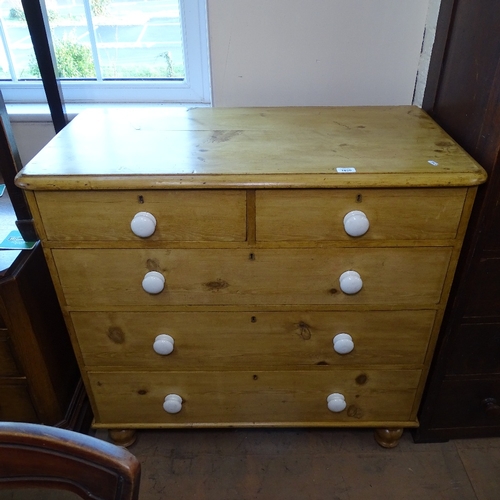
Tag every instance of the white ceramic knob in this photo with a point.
(163, 344)
(153, 282)
(172, 403)
(342, 343)
(350, 282)
(356, 223)
(143, 224)
(336, 402)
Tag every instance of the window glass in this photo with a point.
(117, 48)
(16, 51)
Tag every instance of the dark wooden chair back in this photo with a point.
(38, 456)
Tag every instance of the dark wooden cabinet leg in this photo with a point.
(122, 437)
(388, 438)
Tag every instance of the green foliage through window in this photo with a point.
(74, 60)
(99, 7)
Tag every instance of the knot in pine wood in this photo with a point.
(355, 412)
(217, 285)
(304, 330)
(116, 335)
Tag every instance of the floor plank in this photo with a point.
(293, 464)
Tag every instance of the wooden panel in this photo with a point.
(8, 367)
(240, 339)
(15, 402)
(475, 350)
(489, 235)
(180, 215)
(464, 102)
(397, 214)
(483, 287)
(254, 396)
(288, 276)
(466, 105)
(38, 335)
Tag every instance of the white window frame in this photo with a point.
(193, 89)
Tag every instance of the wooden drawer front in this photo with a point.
(468, 403)
(254, 396)
(94, 277)
(394, 214)
(240, 339)
(483, 287)
(180, 215)
(15, 402)
(8, 367)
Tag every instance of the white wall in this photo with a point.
(302, 52)
(31, 137)
(315, 52)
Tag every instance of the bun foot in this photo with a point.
(122, 437)
(388, 438)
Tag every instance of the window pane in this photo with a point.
(131, 38)
(15, 31)
(140, 39)
(70, 38)
(4, 63)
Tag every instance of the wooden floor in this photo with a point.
(310, 464)
(305, 464)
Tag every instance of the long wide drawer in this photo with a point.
(393, 214)
(233, 340)
(215, 398)
(180, 215)
(407, 276)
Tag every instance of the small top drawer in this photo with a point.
(190, 215)
(391, 214)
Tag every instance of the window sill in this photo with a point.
(41, 112)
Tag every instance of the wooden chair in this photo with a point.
(38, 456)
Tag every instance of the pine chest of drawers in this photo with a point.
(253, 267)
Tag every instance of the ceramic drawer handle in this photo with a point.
(172, 403)
(342, 343)
(163, 344)
(356, 223)
(153, 282)
(336, 402)
(143, 224)
(350, 282)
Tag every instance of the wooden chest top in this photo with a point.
(160, 148)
